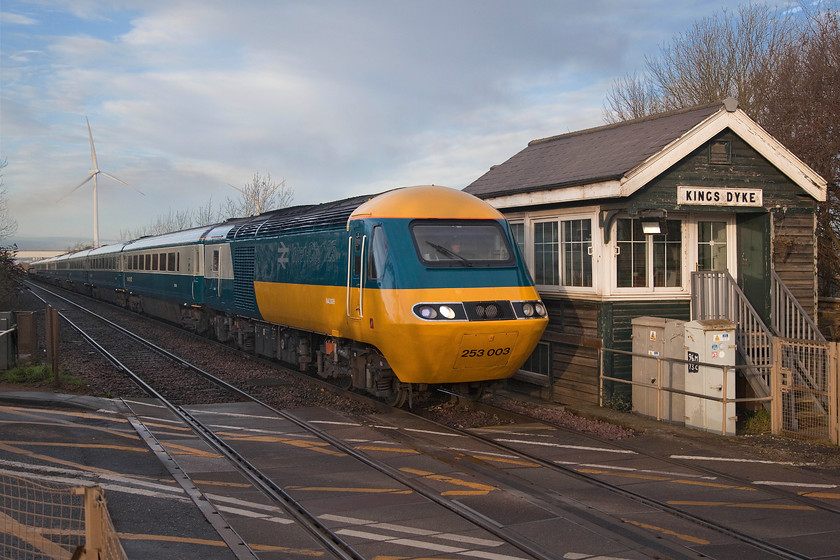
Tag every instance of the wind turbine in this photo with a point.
(92, 175)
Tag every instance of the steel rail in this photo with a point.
(318, 530)
(756, 542)
(524, 545)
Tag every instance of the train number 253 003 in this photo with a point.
(480, 353)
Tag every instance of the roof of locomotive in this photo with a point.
(426, 201)
(296, 218)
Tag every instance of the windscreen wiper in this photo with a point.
(450, 252)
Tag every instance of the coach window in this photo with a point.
(148, 262)
(171, 262)
(214, 267)
(378, 253)
(154, 261)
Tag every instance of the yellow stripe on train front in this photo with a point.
(418, 351)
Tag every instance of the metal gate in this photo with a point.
(806, 389)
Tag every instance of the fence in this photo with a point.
(44, 520)
(801, 407)
(805, 389)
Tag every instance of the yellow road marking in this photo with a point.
(130, 434)
(24, 452)
(394, 449)
(827, 495)
(664, 531)
(668, 479)
(478, 489)
(52, 413)
(742, 505)
(344, 489)
(208, 542)
(217, 483)
(80, 445)
(319, 446)
(178, 449)
(509, 461)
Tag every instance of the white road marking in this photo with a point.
(578, 556)
(795, 484)
(630, 469)
(410, 530)
(736, 460)
(253, 514)
(560, 445)
(426, 546)
(84, 481)
(335, 423)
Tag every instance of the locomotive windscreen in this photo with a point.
(461, 243)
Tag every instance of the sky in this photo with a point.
(338, 98)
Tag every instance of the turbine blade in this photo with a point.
(92, 150)
(91, 176)
(121, 181)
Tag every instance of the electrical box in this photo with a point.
(7, 348)
(648, 337)
(658, 337)
(27, 338)
(710, 342)
(673, 373)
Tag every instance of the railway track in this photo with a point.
(150, 366)
(543, 471)
(804, 498)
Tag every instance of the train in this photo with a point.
(390, 294)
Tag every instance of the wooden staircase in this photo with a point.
(716, 295)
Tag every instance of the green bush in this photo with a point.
(757, 422)
(34, 376)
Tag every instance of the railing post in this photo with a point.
(834, 392)
(601, 378)
(776, 388)
(93, 522)
(658, 389)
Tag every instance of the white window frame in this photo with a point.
(687, 242)
(731, 239)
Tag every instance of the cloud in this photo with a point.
(338, 98)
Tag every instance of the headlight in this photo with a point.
(541, 310)
(528, 310)
(447, 312)
(428, 312)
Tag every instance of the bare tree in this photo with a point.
(785, 75)
(802, 110)
(8, 226)
(726, 55)
(258, 196)
(11, 273)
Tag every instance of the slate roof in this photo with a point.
(588, 156)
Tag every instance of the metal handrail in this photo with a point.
(790, 320)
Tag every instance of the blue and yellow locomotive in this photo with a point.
(415, 286)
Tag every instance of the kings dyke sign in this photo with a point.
(719, 196)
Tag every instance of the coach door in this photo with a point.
(356, 243)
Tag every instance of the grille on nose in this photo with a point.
(489, 310)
